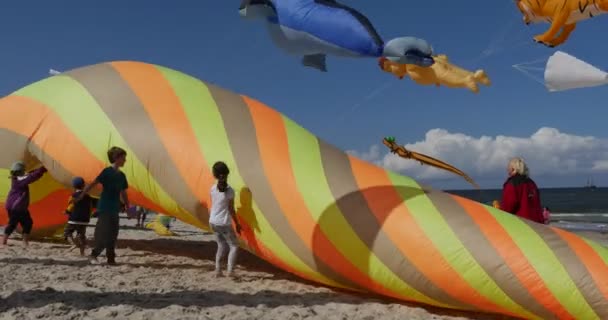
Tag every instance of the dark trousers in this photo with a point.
(16, 217)
(81, 232)
(106, 233)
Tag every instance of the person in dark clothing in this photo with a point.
(141, 216)
(18, 201)
(79, 216)
(109, 205)
(520, 195)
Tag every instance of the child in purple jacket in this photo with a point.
(18, 200)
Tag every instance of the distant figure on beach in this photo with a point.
(18, 201)
(220, 216)
(79, 216)
(546, 215)
(115, 187)
(141, 216)
(165, 220)
(520, 195)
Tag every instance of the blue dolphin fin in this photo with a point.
(316, 61)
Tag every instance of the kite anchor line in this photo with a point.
(387, 84)
(496, 45)
(526, 67)
(498, 42)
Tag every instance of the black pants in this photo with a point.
(16, 217)
(106, 233)
(80, 229)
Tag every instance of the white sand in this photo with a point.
(171, 278)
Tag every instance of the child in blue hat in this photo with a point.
(79, 216)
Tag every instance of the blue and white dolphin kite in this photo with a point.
(314, 29)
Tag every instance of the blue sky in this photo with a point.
(353, 105)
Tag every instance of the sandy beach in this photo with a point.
(170, 278)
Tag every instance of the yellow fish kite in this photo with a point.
(442, 72)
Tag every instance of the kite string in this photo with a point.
(532, 68)
(492, 48)
(528, 73)
(498, 50)
(526, 67)
(382, 87)
(524, 64)
(497, 40)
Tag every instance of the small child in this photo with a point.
(222, 210)
(18, 201)
(79, 216)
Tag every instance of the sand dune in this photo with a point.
(171, 278)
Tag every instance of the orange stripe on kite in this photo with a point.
(50, 209)
(513, 257)
(275, 154)
(53, 129)
(253, 243)
(422, 253)
(589, 257)
(171, 122)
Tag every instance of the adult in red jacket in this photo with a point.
(520, 195)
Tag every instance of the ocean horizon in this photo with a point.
(580, 200)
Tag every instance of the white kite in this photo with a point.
(564, 72)
(54, 72)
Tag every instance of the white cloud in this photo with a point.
(548, 152)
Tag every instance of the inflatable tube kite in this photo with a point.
(304, 205)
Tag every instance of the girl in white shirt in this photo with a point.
(220, 216)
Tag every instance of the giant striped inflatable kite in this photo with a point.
(305, 206)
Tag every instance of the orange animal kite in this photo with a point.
(424, 159)
(442, 72)
(561, 14)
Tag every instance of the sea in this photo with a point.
(584, 209)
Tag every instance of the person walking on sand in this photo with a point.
(520, 195)
(115, 187)
(18, 201)
(79, 216)
(141, 216)
(220, 216)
